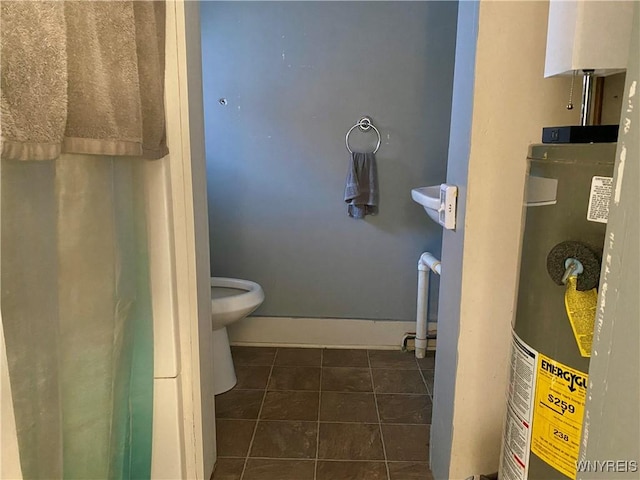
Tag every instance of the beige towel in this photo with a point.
(104, 115)
(150, 39)
(112, 75)
(33, 63)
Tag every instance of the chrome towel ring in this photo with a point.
(364, 124)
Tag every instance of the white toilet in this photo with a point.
(231, 300)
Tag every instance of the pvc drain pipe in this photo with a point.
(426, 263)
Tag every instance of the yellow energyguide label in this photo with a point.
(581, 310)
(557, 414)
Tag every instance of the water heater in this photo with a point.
(566, 208)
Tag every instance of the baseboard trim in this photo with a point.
(322, 332)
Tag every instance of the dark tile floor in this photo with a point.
(322, 414)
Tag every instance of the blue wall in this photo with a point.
(296, 76)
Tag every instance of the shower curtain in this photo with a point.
(77, 317)
(84, 79)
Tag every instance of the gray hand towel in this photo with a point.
(361, 190)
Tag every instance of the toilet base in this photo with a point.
(224, 373)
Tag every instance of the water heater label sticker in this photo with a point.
(557, 414)
(599, 199)
(581, 310)
(517, 427)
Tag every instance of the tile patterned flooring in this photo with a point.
(324, 414)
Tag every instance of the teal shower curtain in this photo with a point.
(79, 77)
(76, 313)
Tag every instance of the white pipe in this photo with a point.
(426, 263)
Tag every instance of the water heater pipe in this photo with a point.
(426, 264)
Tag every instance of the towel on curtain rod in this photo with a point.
(82, 77)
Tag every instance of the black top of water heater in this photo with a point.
(580, 134)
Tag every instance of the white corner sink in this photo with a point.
(429, 198)
(439, 201)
